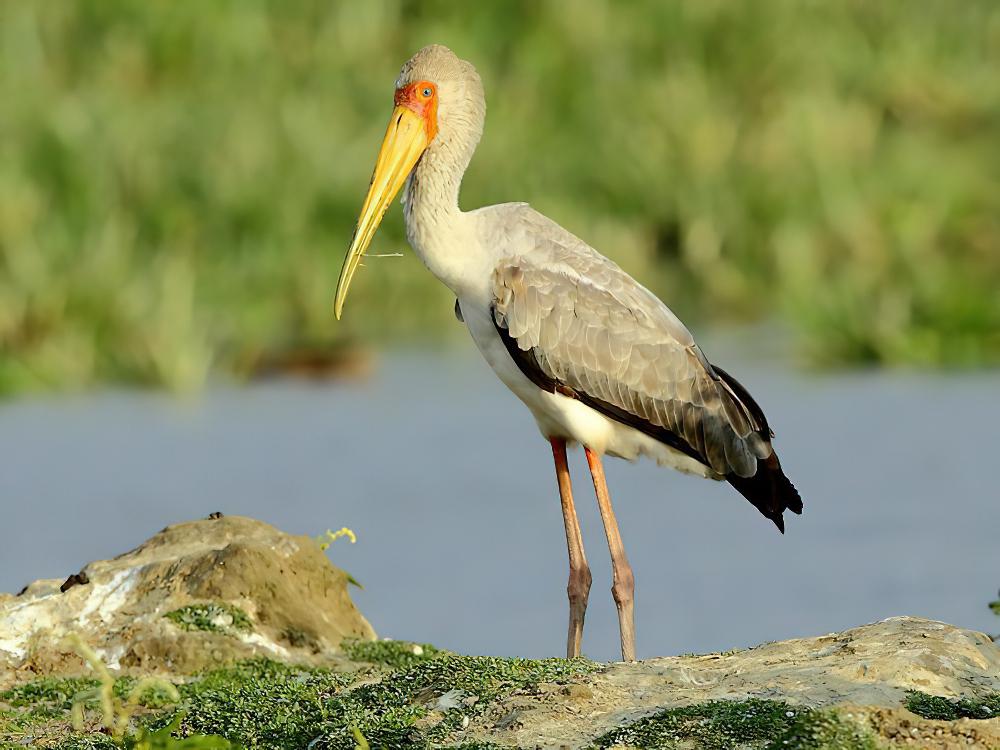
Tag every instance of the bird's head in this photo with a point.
(439, 106)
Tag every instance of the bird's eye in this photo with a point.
(427, 92)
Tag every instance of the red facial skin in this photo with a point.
(412, 97)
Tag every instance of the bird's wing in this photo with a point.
(576, 323)
(592, 329)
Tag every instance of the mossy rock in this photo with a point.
(951, 709)
(212, 617)
(726, 725)
(196, 595)
(437, 699)
(266, 704)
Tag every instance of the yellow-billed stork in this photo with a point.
(595, 356)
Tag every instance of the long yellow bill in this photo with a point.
(405, 141)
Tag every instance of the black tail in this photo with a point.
(770, 491)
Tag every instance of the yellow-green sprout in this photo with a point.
(329, 537)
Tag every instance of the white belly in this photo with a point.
(559, 416)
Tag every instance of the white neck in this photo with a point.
(439, 232)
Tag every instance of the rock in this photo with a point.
(871, 666)
(212, 592)
(897, 727)
(233, 588)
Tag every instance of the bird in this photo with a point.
(596, 357)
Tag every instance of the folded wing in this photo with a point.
(577, 324)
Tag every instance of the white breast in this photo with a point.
(559, 416)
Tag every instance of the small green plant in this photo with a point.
(117, 713)
(328, 537)
(360, 738)
(163, 739)
(215, 617)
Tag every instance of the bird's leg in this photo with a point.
(623, 586)
(578, 587)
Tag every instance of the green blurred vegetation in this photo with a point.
(179, 180)
(986, 706)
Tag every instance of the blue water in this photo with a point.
(451, 491)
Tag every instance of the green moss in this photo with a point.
(951, 709)
(40, 710)
(269, 704)
(54, 693)
(40, 716)
(823, 730)
(392, 654)
(35, 704)
(299, 638)
(94, 741)
(262, 704)
(265, 704)
(13, 722)
(216, 617)
(720, 725)
(159, 740)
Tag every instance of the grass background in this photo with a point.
(179, 180)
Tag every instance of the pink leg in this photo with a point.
(623, 586)
(578, 588)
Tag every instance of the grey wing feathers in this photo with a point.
(595, 330)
